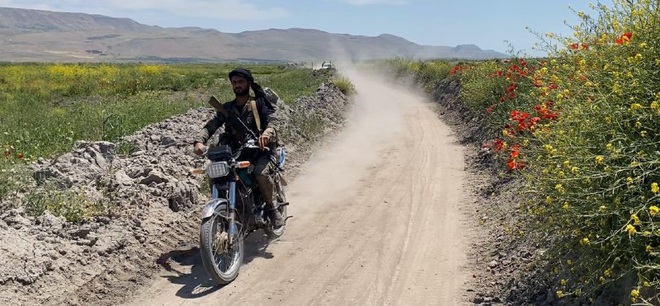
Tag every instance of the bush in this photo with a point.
(581, 130)
(344, 85)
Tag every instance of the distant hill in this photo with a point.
(35, 35)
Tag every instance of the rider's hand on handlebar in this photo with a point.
(263, 142)
(199, 148)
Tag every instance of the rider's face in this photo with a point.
(240, 85)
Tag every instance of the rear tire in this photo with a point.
(221, 265)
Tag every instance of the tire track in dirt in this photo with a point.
(377, 219)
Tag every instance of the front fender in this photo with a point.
(210, 208)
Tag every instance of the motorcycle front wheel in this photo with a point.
(221, 261)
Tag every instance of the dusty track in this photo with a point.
(377, 220)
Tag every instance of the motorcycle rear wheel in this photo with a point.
(222, 263)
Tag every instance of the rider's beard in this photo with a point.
(241, 92)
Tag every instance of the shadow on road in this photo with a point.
(197, 284)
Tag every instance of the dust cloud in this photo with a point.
(376, 119)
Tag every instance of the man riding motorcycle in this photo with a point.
(244, 107)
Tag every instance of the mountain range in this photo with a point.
(45, 36)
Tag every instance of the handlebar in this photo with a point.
(249, 144)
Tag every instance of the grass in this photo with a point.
(46, 108)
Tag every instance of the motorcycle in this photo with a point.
(231, 214)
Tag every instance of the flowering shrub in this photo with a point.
(581, 129)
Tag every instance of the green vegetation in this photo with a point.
(46, 108)
(344, 85)
(581, 130)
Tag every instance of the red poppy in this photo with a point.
(515, 151)
(20, 155)
(499, 144)
(624, 38)
(498, 73)
(573, 46)
(511, 163)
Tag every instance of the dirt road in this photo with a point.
(377, 220)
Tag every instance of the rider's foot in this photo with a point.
(275, 217)
(259, 219)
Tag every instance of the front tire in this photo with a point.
(222, 263)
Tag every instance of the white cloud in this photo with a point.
(203, 9)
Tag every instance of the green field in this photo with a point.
(46, 108)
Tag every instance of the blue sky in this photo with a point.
(486, 23)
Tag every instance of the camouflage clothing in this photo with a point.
(233, 136)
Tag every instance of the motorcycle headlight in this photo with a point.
(217, 169)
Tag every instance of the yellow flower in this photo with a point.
(649, 249)
(634, 164)
(585, 241)
(629, 180)
(599, 159)
(635, 220)
(654, 188)
(654, 105)
(560, 188)
(566, 206)
(560, 294)
(548, 199)
(631, 229)
(602, 208)
(635, 106)
(638, 125)
(563, 282)
(654, 210)
(608, 273)
(634, 295)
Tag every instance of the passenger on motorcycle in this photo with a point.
(244, 106)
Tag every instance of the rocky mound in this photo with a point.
(147, 204)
